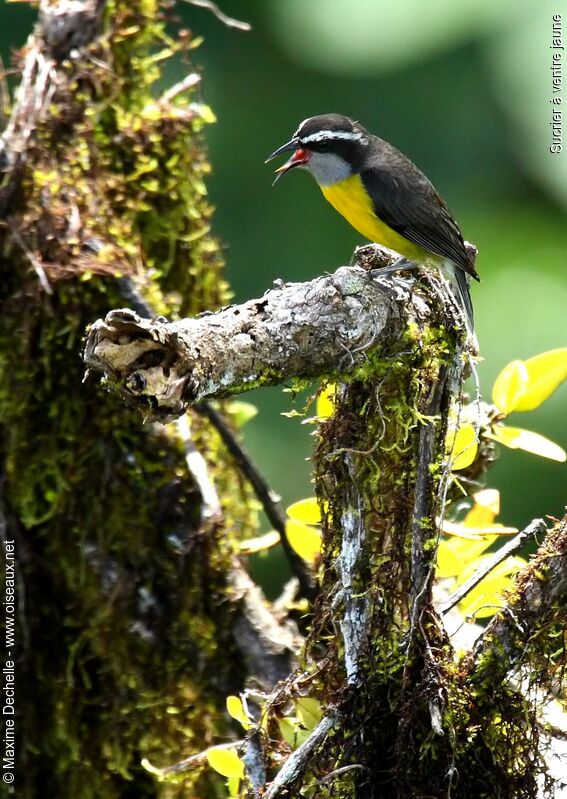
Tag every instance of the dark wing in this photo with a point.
(408, 203)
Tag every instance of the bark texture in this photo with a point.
(403, 716)
(135, 620)
(130, 606)
(296, 331)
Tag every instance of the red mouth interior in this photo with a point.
(300, 156)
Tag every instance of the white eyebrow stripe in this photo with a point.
(324, 135)
(301, 124)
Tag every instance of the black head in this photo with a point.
(328, 128)
(332, 134)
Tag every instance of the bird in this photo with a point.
(383, 195)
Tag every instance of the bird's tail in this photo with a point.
(460, 281)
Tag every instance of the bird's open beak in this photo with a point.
(300, 157)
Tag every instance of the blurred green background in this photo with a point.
(464, 90)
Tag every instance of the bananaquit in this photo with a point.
(383, 195)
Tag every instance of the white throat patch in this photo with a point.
(328, 168)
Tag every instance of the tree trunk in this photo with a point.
(135, 618)
(128, 622)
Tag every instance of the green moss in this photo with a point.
(124, 593)
(370, 447)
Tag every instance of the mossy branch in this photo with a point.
(62, 26)
(154, 617)
(520, 632)
(324, 327)
(405, 720)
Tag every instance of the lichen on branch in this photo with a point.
(327, 327)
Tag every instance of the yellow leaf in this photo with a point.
(466, 531)
(510, 386)
(455, 554)
(479, 516)
(546, 372)
(262, 542)
(236, 710)
(304, 540)
(517, 438)
(485, 509)
(326, 401)
(306, 511)
(205, 112)
(308, 711)
(488, 498)
(241, 412)
(486, 598)
(155, 772)
(464, 448)
(225, 762)
(459, 530)
(448, 561)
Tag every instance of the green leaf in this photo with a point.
(546, 372)
(517, 438)
(304, 540)
(510, 386)
(305, 510)
(302, 736)
(308, 711)
(225, 762)
(289, 729)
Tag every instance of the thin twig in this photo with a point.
(263, 493)
(342, 770)
(211, 511)
(298, 761)
(268, 646)
(533, 529)
(35, 262)
(193, 761)
(243, 460)
(4, 93)
(188, 82)
(230, 22)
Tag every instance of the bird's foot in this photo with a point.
(402, 264)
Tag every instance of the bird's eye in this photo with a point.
(324, 146)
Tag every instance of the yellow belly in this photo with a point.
(350, 199)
